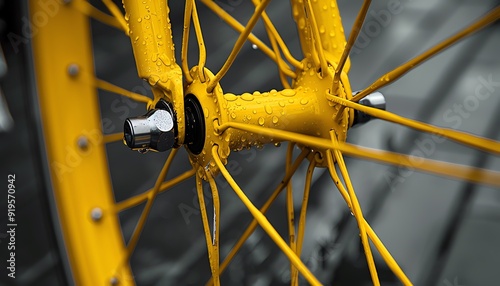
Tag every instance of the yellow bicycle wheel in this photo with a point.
(313, 112)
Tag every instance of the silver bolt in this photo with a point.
(113, 281)
(374, 100)
(67, 1)
(153, 131)
(73, 69)
(96, 214)
(83, 143)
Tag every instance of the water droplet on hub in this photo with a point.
(288, 92)
(269, 109)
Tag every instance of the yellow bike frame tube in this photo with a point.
(70, 113)
(151, 36)
(329, 25)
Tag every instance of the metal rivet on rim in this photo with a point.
(83, 143)
(73, 69)
(96, 214)
(67, 1)
(113, 281)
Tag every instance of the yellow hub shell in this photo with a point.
(212, 111)
(302, 109)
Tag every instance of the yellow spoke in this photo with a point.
(90, 11)
(204, 217)
(264, 223)
(316, 37)
(393, 75)
(280, 62)
(233, 23)
(457, 171)
(356, 28)
(282, 66)
(303, 209)
(115, 11)
(290, 213)
(462, 137)
(250, 229)
(104, 85)
(150, 197)
(441, 168)
(336, 179)
(109, 138)
(138, 199)
(212, 257)
(201, 44)
(386, 255)
(149, 203)
(356, 208)
(191, 11)
(185, 41)
(271, 30)
(216, 228)
(237, 46)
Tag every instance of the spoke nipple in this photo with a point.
(73, 69)
(96, 214)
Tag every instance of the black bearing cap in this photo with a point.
(195, 124)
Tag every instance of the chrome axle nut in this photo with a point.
(375, 100)
(153, 131)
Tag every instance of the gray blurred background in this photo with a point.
(441, 231)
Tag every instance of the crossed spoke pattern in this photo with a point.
(335, 149)
(360, 19)
(211, 239)
(356, 208)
